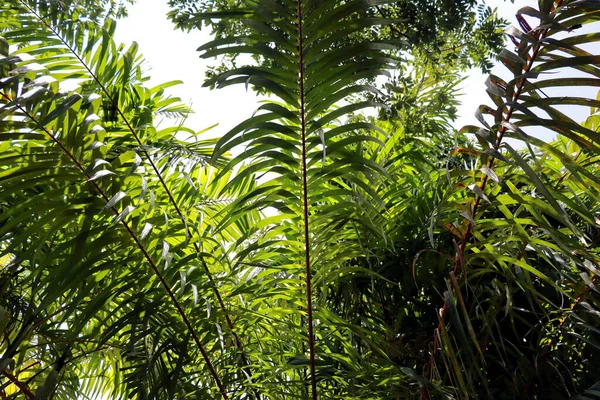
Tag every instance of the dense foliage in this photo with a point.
(312, 251)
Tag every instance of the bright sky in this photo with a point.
(172, 55)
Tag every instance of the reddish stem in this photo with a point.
(22, 386)
(311, 334)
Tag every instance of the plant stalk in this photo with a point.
(311, 334)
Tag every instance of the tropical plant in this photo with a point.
(311, 251)
(89, 304)
(519, 311)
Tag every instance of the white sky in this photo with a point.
(171, 54)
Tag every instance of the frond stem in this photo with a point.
(311, 334)
(22, 386)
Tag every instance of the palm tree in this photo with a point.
(309, 252)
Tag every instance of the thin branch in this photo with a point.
(392, 27)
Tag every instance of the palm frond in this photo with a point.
(68, 252)
(528, 234)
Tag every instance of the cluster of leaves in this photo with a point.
(439, 32)
(100, 259)
(331, 254)
(520, 322)
(94, 10)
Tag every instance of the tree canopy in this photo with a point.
(313, 251)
